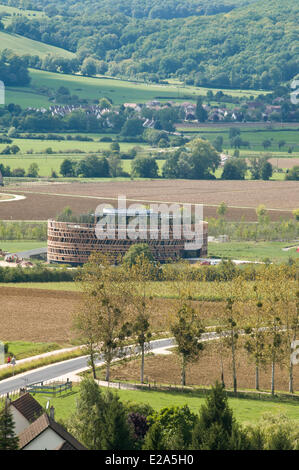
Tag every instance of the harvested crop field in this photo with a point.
(242, 197)
(47, 316)
(166, 370)
(37, 315)
(284, 162)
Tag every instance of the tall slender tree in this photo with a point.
(256, 337)
(141, 272)
(104, 319)
(8, 438)
(187, 330)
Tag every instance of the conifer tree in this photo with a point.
(100, 421)
(8, 438)
(154, 438)
(216, 428)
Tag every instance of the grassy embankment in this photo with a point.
(245, 410)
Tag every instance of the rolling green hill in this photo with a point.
(91, 88)
(22, 46)
(8, 13)
(228, 44)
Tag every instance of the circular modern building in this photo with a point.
(73, 243)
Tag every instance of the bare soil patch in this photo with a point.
(45, 315)
(164, 369)
(242, 197)
(284, 162)
(37, 315)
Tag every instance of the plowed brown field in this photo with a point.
(242, 197)
(37, 315)
(166, 370)
(47, 315)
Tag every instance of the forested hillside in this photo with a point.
(221, 43)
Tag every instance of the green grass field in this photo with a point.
(47, 163)
(64, 146)
(253, 251)
(26, 97)
(275, 177)
(22, 46)
(246, 411)
(20, 245)
(255, 137)
(13, 11)
(23, 349)
(91, 88)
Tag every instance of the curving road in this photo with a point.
(72, 366)
(61, 368)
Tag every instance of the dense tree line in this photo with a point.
(22, 231)
(151, 41)
(36, 274)
(13, 69)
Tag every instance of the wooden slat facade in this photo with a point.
(73, 243)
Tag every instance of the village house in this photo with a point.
(38, 431)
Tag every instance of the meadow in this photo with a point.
(24, 349)
(14, 11)
(94, 88)
(250, 251)
(65, 146)
(23, 46)
(245, 410)
(253, 251)
(15, 246)
(48, 163)
(255, 137)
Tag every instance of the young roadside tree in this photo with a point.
(220, 348)
(141, 272)
(232, 338)
(8, 438)
(222, 209)
(275, 348)
(292, 334)
(272, 286)
(255, 339)
(230, 321)
(187, 330)
(86, 321)
(106, 298)
(284, 295)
